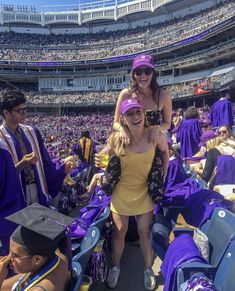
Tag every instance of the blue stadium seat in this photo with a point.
(220, 230)
(224, 279)
(100, 221)
(76, 277)
(87, 245)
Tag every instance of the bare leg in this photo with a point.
(118, 241)
(143, 224)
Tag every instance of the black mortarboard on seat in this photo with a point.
(41, 228)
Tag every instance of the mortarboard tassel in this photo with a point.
(98, 263)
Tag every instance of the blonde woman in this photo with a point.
(135, 177)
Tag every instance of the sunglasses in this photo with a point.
(21, 111)
(222, 132)
(147, 71)
(204, 126)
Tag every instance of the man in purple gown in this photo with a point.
(39, 177)
(222, 112)
(11, 197)
(189, 133)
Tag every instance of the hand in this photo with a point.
(154, 135)
(30, 159)
(125, 137)
(70, 163)
(4, 262)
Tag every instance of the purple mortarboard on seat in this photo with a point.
(206, 136)
(143, 60)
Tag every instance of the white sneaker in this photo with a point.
(113, 276)
(149, 279)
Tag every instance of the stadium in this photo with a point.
(71, 61)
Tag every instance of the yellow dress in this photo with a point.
(130, 196)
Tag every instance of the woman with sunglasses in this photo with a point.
(156, 101)
(224, 144)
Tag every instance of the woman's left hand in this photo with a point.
(154, 135)
(4, 262)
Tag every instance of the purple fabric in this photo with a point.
(188, 135)
(82, 165)
(182, 249)
(221, 113)
(225, 170)
(11, 197)
(178, 186)
(202, 204)
(54, 176)
(90, 213)
(207, 135)
(143, 60)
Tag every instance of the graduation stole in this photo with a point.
(23, 285)
(9, 143)
(32, 138)
(85, 144)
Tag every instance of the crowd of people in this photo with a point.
(142, 131)
(109, 97)
(91, 46)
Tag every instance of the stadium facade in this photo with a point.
(68, 50)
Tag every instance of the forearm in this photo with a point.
(164, 126)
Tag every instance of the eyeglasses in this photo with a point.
(204, 126)
(147, 71)
(222, 132)
(21, 111)
(16, 257)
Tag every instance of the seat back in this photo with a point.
(101, 219)
(224, 278)
(220, 230)
(87, 245)
(76, 277)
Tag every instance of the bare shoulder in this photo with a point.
(165, 94)
(124, 94)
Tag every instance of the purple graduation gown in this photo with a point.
(225, 170)
(177, 185)
(54, 175)
(221, 113)
(182, 249)
(188, 135)
(11, 197)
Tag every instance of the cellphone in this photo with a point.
(153, 117)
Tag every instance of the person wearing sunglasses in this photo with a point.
(39, 177)
(157, 102)
(224, 144)
(205, 125)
